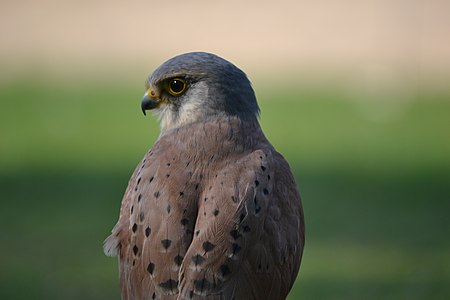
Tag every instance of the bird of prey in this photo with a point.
(212, 211)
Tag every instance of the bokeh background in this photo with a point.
(355, 94)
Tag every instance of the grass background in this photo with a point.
(374, 178)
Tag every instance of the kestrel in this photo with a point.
(212, 211)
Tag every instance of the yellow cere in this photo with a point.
(150, 93)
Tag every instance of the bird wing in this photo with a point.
(248, 237)
(156, 222)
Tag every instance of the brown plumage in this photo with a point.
(211, 212)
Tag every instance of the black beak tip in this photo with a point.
(144, 105)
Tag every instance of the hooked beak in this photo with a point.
(149, 101)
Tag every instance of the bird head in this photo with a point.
(198, 86)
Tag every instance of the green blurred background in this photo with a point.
(355, 96)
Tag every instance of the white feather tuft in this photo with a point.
(111, 246)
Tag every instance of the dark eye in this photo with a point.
(176, 86)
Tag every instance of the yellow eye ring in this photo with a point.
(176, 86)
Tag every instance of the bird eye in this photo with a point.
(176, 86)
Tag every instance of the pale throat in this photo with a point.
(188, 113)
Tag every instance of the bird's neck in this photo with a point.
(216, 135)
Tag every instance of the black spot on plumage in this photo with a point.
(206, 198)
(134, 262)
(208, 246)
(168, 209)
(216, 212)
(235, 248)
(263, 168)
(196, 186)
(233, 199)
(197, 232)
(167, 175)
(210, 187)
(256, 182)
(224, 270)
(139, 180)
(135, 249)
(132, 208)
(198, 259)
(166, 243)
(168, 164)
(147, 231)
(265, 191)
(178, 260)
(156, 194)
(257, 206)
(203, 284)
(268, 177)
(235, 234)
(169, 284)
(181, 193)
(154, 296)
(141, 216)
(184, 221)
(188, 163)
(134, 228)
(151, 179)
(139, 197)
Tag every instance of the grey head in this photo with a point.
(198, 86)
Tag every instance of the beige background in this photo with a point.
(319, 39)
